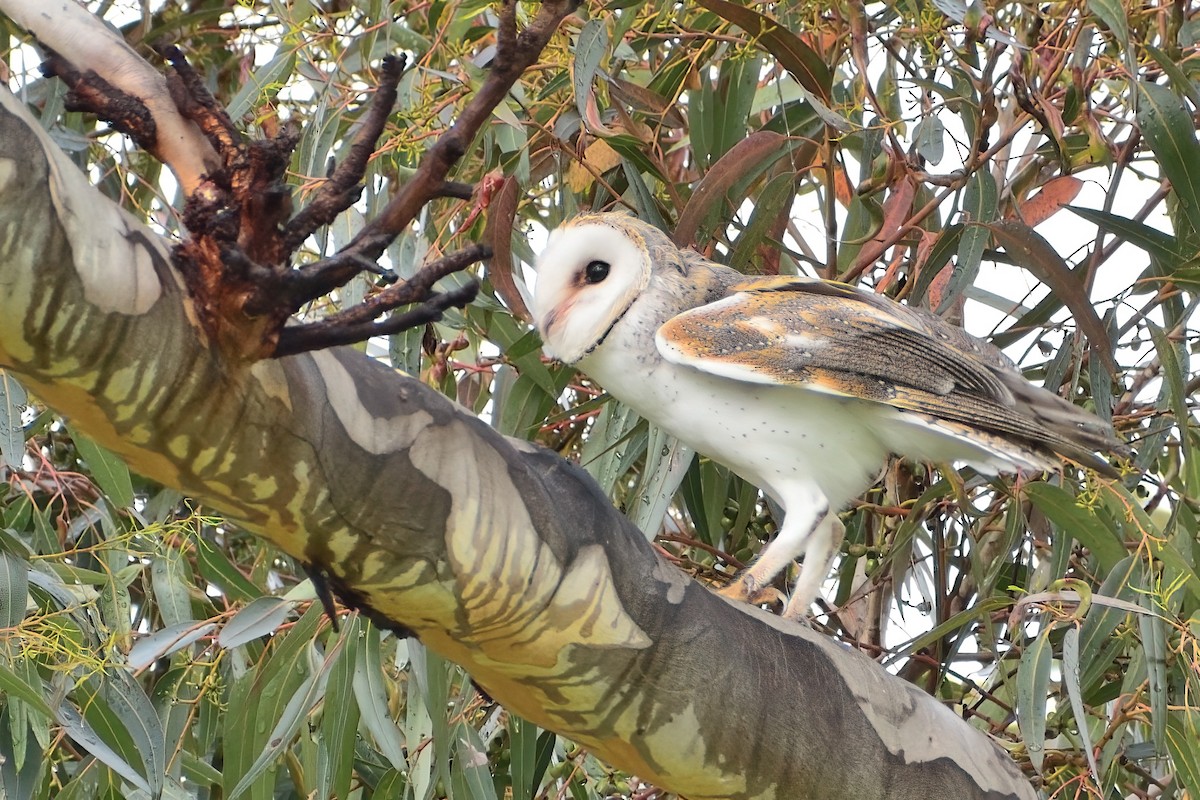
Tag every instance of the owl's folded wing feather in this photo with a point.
(832, 338)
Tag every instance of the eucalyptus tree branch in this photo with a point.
(79, 40)
(359, 323)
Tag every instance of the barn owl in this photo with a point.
(801, 386)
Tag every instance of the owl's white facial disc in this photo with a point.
(588, 277)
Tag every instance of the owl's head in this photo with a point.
(592, 270)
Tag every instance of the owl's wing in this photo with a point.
(835, 339)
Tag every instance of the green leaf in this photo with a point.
(929, 137)
(17, 686)
(1163, 246)
(23, 769)
(980, 611)
(805, 65)
(863, 220)
(166, 641)
(747, 159)
(261, 618)
(1154, 643)
(1180, 81)
(470, 774)
(287, 723)
(84, 735)
(118, 701)
(258, 700)
(736, 87)
(1070, 676)
(1167, 126)
(980, 198)
(371, 695)
(1174, 388)
(1112, 14)
(1079, 522)
(667, 462)
(634, 150)
(339, 721)
(943, 248)
(774, 200)
(266, 80)
(14, 590)
(169, 575)
(1096, 633)
(1029, 249)
(1033, 691)
(617, 440)
(216, 568)
(109, 471)
(644, 202)
(393, 784)
(590, 48)
(523, 739)
(419, 727)
(520, 404)
(1183, 743)
(12, 432)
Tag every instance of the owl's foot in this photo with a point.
(797, 611)
(746, 590)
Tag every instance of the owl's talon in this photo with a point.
(796, 613)
(745, 590)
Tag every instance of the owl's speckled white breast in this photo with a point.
(774, 437)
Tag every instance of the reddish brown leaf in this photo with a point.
(790, 50)
(937, 290)
(1027, 248)
(745, 157)
(501, 214)
(646, 101)
(896, 209)
(842, 189)
(1054, 195)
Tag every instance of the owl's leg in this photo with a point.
(800, 522)
(825, 540)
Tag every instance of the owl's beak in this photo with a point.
(544, 328)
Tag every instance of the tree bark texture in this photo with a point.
(499, 555)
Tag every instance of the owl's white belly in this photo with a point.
(779, 438)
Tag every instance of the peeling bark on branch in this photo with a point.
(499, 555)
(70, 30)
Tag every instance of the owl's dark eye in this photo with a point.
(596, 271)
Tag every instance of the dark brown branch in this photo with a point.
(196, 103)
(89, 92)
(456, 189)
(415, 288)
(343, 187)
(324, 276)
(320, 335)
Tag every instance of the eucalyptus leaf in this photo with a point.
(13, 402)
(261, 617)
